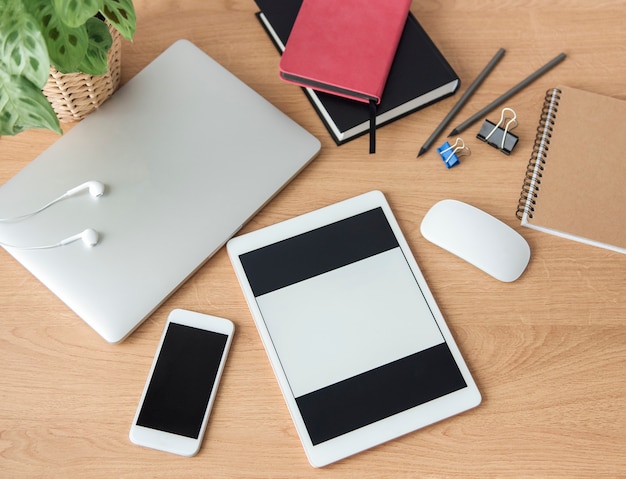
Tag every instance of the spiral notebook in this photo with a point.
(575, 185)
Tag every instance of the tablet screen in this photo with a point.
(356, 337)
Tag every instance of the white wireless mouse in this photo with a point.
(478, 238)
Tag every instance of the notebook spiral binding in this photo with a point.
(532, 180)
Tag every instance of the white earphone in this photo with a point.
(95, 188)
(89, 238)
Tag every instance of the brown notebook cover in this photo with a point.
(575, 185)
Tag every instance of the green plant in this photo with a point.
(71, 35)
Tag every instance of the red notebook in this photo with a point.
(344, 47)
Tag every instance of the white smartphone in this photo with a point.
(176, 401)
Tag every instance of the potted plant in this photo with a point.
(39, 37)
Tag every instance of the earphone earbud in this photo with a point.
(96, 189)
(89, 237)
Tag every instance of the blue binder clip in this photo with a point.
(450, 154)
(497, 136)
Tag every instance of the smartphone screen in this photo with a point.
(179, 391)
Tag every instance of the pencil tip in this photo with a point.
(453, 132)
(421, 152)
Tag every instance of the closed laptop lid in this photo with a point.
(188, 154)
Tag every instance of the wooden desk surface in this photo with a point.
(547, 351)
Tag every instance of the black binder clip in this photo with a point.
(450, 154)
(497, 136)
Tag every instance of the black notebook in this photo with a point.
(419, 75)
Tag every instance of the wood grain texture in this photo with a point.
(547, 351)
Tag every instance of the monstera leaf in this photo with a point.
(24, 69)
(66, 45)
(22, 106)
(23, 50)
(75, 13)
(81, 47)
(121, 14)
(99, 42)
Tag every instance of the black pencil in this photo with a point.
(523, 84)
(455, 109)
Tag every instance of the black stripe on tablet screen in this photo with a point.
(380, 393)
(318, 251)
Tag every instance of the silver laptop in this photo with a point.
(187, 153)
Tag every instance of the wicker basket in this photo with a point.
(74, 95)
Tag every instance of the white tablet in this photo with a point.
(358, 345)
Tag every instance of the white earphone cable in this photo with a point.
(95, 188)
(33, 213)
(89, 238)
(30, 248)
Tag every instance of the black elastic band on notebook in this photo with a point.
(372, 126)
